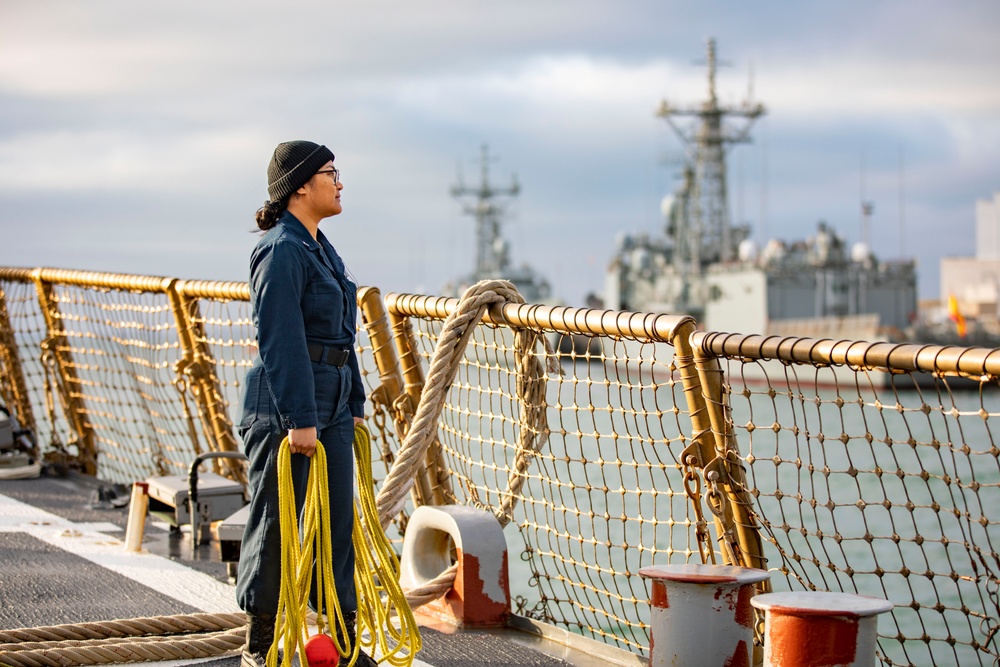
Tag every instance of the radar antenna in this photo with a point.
(492, 258)
(706, 236)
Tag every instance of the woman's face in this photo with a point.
(322, 191)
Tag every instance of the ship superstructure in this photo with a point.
(487, 204)
(705, 266)
(701, 229)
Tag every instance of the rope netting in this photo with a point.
(225, 328)
(28, 329)
(883, 484)
(130, 370)
(604, 496)
(119, 347)
(857, 479)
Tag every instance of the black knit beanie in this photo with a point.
(294, 163)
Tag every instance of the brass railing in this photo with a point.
(111, 348)
(837, 465)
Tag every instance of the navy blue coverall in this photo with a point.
(301, 298)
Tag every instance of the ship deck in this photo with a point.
(64, 562)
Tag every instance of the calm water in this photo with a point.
(870, 484)
(922, 496)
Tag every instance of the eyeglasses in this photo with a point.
(331, 170)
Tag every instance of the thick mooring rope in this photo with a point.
(457, 329)
(150, 639)
(155, 625)
(125, 640)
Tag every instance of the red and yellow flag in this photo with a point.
(956, 316)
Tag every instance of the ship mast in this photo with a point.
(704, 235)
(491, 250)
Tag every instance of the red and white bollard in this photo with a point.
(701, 615)
(820, 629)
(480, 596)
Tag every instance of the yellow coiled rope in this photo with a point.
(376, 569)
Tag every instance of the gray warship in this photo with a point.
(707, 267)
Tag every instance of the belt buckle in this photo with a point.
(337, 357)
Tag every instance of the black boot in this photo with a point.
(260, 636)
(364, 660)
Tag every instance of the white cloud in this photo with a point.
(845, 87)
(126, 159)
(117, 99)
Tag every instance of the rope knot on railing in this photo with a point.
(456, 331)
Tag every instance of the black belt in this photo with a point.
(330, 356)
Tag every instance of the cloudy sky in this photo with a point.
(134, 136)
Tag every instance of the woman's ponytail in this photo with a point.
(268, 214)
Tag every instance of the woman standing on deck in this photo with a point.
(305, 383)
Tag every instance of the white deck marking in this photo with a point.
(89, 541)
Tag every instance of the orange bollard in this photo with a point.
(818, 629)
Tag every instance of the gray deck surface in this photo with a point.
(40, 584)
(43, 585)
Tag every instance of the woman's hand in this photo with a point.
(302, 440)
(359, 420)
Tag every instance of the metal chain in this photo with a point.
(716, 504)
(59, 454)
(692, 485)
(379, 417)
(181, 385)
